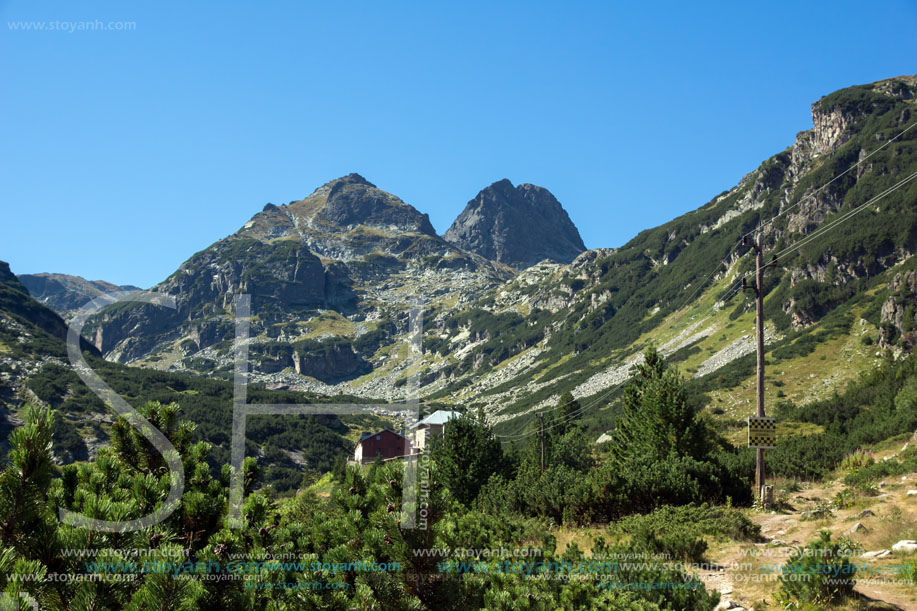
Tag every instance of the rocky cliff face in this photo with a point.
(66, 294)
(517, 226)
(899, 313)
(836, 119)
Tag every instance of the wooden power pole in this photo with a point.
(541, 415)
(758, 288)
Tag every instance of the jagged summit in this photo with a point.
(337, 183)
(351, 179)
(349, 247)
(337, 206)
(353, 200)
(516, 225)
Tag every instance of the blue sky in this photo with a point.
(124, 151)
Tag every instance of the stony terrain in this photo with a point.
(882, 525)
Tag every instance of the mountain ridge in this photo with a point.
(65, 294)
(35, 369)
(512, 342)
(348, 247)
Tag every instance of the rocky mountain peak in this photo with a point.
(351, 179)
(834, 116)
(337, 207)
(516, 225)
(352, 200)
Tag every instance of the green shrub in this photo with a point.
(876, 471)
(907, 572)
(692, 520)
(676, 544)
(859, 458)
(820, 574)
(657, 569)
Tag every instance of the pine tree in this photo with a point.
(566, 414)
(657, 417)
(467, 455)
(24, 483)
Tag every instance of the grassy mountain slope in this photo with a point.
(578, 327)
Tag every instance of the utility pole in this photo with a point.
(541, 415)
(758, 288)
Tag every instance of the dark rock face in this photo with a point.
(517, 226)
(280, 276)
(897, 315)
(329, 361)
(353, 200)
(331, 364)
(66, 294)
(6, 275)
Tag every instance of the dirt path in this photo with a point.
(741, 574)
(879, 598)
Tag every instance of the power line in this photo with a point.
(762, 225)
(827, 184)
(847, 215)
(571, 416)
(737, 285)
(833, 223)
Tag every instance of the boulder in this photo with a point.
(856, 528)
(875, 555)
(906, 546)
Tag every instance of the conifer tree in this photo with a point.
(657, 417)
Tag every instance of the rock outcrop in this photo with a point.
(518, 226)
(898, 321)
